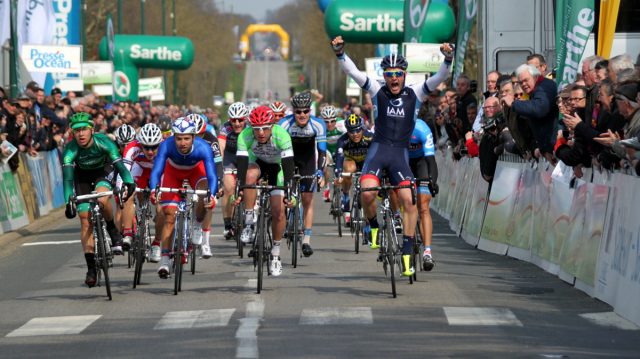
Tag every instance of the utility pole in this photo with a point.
(164, 32)
(119, 16)
(83, 35)
(13, 56)
(144, 71)
(175, 32)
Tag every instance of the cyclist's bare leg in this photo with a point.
(277, 217)
(229, 182)
(307, 214)
(127, 215)
(350, 167)
(105, 204)
(426, 224)
(169, 222)
(394, 200)
(369, 197)
(86, 232)
(253, 173)
(410, 213)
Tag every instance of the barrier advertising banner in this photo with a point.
(477, 205)
(40, 180)
(55, 179)
(502, 200)
(541, 203)
(521, 223)
(13, 216)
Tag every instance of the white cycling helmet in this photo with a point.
(201, 123)
(150, 135)
(278, 107)
(328, 112)
(183, 126)
(124, 134)
(238, 110)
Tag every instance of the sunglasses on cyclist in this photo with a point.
(300, 112)
(398, 73)
(330, 121)
(355, 131)
(261, 128)
(150, 148)
(237, 120)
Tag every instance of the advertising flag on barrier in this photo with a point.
(522, 220)
(40, 180)
(36, 26)
(67, 18)
(54, 169)
(502, 200)
(468, 10)
(14, 216)
(574, 21)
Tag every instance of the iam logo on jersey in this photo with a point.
(395, 110)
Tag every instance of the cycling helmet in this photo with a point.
(301, 100)
(328, 112)
(394, 61)
(79, 120)
(278, 107)
(354, 122)
(125, 134)
(261, 115)
(149, 135)
(201, 123)
(238, 110)
(164, 122)
(184, 126)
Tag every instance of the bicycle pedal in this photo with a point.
(380, 258)
(250, 254)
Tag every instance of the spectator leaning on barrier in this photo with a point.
(518, 128)
(492, 91)
(540, 110)
(626, 96)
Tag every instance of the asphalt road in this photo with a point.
(336, 304)
(268, 79)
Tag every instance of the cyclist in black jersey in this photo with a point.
(352, 148)
(228, 138)
(395, 111)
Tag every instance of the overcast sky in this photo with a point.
(256, 8)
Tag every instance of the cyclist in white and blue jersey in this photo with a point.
(309, 137)
(396, 107)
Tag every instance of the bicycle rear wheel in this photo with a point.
(237, 227)
(389, 251)
(260, 238)
(139, 249)
(355, 225)
(193, 254)
(102, 260)
(294, 236)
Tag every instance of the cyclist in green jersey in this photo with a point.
(335, 129)
(265, 150)
(87, 162)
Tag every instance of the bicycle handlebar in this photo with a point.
(350, 174)
(199, 192)
(263, 187)
(85, 197)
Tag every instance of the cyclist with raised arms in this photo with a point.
(183, 156)
(138, 156)
(87, 162)
(422, 160)
(396, 107)
(265, 150)
(308, 135)
(279, 110)
(352, 148)
(335, 129)
(228, 139)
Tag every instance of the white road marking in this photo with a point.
(54, 326)
(333, 316)
(444, 235)
(49, 243)
(610, 319)
(480, 316)
(195, 319)
(247, 333)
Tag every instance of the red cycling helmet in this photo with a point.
(261, 115)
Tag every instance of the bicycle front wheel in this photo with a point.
(102, 260)
(294, 236)
(178, 247)
(237, 227)
(390, 252)
(260, 238)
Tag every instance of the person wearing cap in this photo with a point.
(626, 96)
(86, 161)
(56, 93)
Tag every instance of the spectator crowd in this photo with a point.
(592, 122)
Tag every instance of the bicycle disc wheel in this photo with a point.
(103, 262)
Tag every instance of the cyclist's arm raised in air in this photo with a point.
(366, 83)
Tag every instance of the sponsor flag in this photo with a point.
(466, 19)
(574, 21)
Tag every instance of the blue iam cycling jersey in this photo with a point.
(201, 151)
(421, 143)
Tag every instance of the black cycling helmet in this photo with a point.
(394, 61)
(354, 123)
(164, 122)
(301, 100)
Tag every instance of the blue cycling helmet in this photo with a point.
(184, 126)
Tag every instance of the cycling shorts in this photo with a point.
(306, 168)
(174, 177)
(393, 159)
(420, 171)
(273, 173)
(88, 181)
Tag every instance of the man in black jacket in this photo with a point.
(465, 98)
(540, 109)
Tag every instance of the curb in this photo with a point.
(11, 239)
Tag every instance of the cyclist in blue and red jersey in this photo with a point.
(181, 157)
(396, 107)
